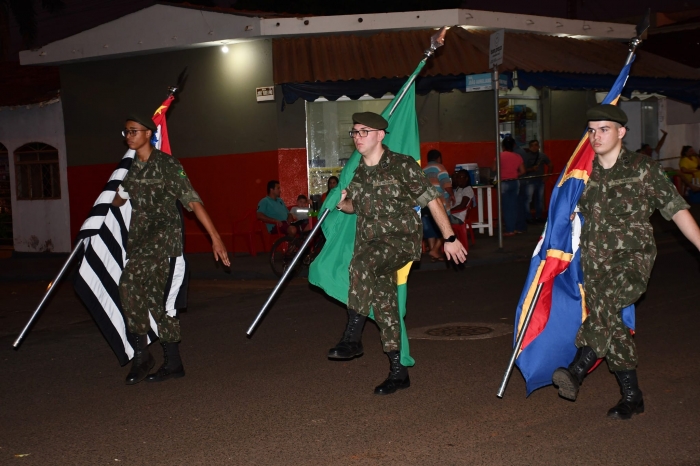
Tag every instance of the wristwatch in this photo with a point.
(451, 239)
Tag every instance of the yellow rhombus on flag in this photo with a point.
(329, 270)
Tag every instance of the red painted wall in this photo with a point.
(294, 175)
(231, 185)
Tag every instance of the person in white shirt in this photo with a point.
(464, 195)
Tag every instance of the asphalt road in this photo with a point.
(275, 399)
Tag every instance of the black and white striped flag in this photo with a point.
(104, 235)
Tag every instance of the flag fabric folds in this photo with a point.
(556, 265)
(329, 270)
(104, 235)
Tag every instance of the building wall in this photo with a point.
(683, 126)
(38, 226)
(215, 112)
(229, 144)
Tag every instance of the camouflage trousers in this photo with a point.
(606, 295)
(373, 284)
(142, 292)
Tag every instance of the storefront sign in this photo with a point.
(496, 48)
(483, 81)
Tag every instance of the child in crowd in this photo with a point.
(464, 195)
(300, 212)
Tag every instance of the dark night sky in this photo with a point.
(80, 15)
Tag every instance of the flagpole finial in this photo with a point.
(180, 82)
(641, 30)
(437, 40)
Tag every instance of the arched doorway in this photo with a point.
(5, 202)
(37, 172)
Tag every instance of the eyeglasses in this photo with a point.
(362, 132)
(132, 132)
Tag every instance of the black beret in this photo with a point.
(370, 119)
(138, 118)
(607, 112)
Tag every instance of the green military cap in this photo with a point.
(370, 119)
(607, 112)
(138, 118)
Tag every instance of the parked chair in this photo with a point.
(680, 185)
(461, 230)
(249, 227)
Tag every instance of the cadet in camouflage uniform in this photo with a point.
(617, 253)
(383, 193)
(153, 184)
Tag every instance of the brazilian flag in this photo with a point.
(329, 270)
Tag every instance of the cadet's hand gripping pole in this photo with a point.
(634, 43)
(437, 40)
(49, 292)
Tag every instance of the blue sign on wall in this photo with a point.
(482, 82)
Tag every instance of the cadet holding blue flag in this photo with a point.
(617, 254)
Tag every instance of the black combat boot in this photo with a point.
(398, 376)
(631, 401)
(143, 361)
(350, 346)
(172, 364)
(568, 380)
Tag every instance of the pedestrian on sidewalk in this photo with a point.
(512, 166)
(154, 184)
(617, 254)
(535, 163)
(383, 194)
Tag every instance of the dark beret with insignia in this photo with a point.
(138, 118)
(607, 112)
(370, 119)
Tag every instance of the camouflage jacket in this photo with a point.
(617, 203)
(156, 226)
(385, 196)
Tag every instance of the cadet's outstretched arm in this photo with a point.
(217, 245)
(455, 250)
(686, 223)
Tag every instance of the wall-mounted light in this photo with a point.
(224, 48)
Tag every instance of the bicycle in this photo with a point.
(286, 248)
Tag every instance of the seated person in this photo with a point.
(273, 212)
(332, 183)
(464, 195)
(690, 167)
(300, 212)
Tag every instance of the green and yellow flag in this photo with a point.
(329, 270)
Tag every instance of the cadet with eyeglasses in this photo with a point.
(383, 194)
(155, 182)
(617, 254)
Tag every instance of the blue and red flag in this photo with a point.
(161, 140)
(556, 264)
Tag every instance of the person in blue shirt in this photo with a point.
(274, 213)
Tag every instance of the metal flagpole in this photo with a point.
(437, 40)
(498, 159)
(634, 43)
(49, 292)
(291, 266)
